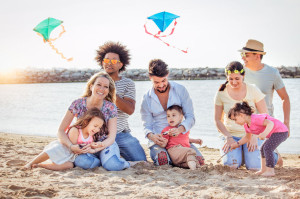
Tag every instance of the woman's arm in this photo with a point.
(73, 135)
(62, 136)
(65, 123)
(112, 132)
(222, 129)
(261, 106)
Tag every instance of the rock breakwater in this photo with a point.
(75, 75)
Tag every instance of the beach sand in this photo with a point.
(142, 181)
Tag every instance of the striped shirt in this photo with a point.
(125, 88)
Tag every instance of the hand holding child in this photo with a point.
(95, 145)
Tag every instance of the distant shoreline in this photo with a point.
(60, 75)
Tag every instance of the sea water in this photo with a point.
(37, 109)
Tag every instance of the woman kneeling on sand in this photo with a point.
(233, 91)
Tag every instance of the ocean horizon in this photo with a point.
(37, 109)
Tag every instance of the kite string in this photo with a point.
(56, 50)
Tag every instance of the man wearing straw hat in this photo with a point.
(265, 77)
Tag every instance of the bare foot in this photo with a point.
(259, 172)
(35, 165)
(192, 165)
(28, 166)
(268, 173)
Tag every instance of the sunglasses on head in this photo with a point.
(113, 61)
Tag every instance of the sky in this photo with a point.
(212, 30)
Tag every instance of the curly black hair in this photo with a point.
(158, 67)
(114, 47)
(243, 107)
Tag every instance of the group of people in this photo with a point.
(101, 135)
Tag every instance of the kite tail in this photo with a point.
(60, 34)
(158, 36)
(39, 34)
(56, 50)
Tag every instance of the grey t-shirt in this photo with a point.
(267, 79)
(124, 88)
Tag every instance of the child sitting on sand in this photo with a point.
(266, 127)
(178, 146)
(85, 131)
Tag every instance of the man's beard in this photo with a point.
(163, 90)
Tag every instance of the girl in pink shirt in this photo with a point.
(264, 126)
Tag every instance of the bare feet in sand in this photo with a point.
(28, 166)
(192, 165)
(260, 172)
(268, 173)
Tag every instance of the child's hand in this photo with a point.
(196, 141)
(234, 146)
(95, 145)
(174, 132)
(261, 136)
(92, 151)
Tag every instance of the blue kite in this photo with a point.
(163, 21)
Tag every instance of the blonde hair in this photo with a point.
(111, 96)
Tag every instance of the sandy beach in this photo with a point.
(141, 181)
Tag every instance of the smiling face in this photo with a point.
(94, 126)
(251, 59)
(174, 117)
(160, 84)
(235, 80)
(100, 88)
(111, 68)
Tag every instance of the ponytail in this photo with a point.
(223, 86)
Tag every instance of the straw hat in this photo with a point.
(253, 46)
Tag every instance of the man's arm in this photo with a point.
(286, 106)
(127, 103)
(147, 118)
(188, 111)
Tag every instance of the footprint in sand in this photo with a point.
(29, 192)
(14, 187)
(15, 163)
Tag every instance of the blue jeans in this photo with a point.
(109, 157)
(155, 150)
(241, 155)
(130, 147)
